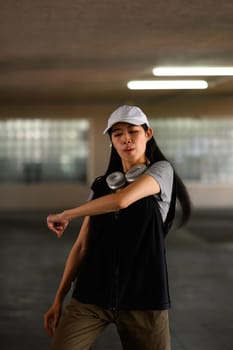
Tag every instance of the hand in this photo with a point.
(51, 318)
(57, 224)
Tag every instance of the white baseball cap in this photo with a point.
(127, 114)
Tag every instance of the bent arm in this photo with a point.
(144, 186)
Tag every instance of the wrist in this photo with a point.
(66, 215)
(59, 299)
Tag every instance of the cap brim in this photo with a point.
(129, 121)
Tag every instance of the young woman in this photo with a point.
(118, 261)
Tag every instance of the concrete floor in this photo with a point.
(200, 262)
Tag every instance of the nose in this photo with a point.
(126, 138)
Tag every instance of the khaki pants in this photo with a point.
(81, 324)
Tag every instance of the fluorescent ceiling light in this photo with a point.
(166, 84)
(193, 71)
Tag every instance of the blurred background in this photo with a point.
(64, 67)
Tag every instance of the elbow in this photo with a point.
(122, 202)
(83, 252)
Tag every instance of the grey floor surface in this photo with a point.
(200, 263)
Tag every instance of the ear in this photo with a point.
(149, 133)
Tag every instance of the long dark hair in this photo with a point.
(154, 154)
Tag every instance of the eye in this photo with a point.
(133, 131)
(117, 134)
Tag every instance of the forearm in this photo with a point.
(102, 205)
(73, 263)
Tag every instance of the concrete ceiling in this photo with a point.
(82, 50)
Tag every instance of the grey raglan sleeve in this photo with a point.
(163, 173)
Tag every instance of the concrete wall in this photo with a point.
(58, 196)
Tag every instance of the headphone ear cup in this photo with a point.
(135, 172)
(116, 180)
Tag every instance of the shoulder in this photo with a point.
(99, 187)
(161, 168)
(163, 173)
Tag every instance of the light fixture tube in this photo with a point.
(167, 84)
(193, 71)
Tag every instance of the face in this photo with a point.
(130, 143)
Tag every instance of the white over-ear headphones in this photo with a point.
(117, 179)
